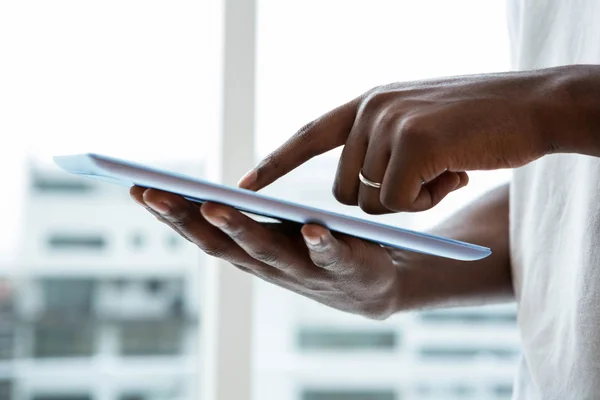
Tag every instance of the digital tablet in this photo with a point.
(128, 173)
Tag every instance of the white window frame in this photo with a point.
(226, 333)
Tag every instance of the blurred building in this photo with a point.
(105, 306)
(104, 303)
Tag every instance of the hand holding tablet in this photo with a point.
(128, 173)
(345, 267)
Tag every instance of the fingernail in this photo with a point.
(248, 180)
(313, 240)
(160, 207)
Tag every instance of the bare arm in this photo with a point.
(427, 281)
(417, 140)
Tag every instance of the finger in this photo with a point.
(412, 184)
(256, 240)
(321, 135)
(241, 260)
(268, 275)
(186, 218)
(404, 185)
(346, 184)
(464, 179)
(136, 193)
(375, 165)
(324, 249)
(441, 186)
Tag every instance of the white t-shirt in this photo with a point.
(555, 222)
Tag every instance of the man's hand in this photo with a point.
(417, 139)
(339, 271)
(345, 272)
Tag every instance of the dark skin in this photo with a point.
(345, 272)
(403, 135)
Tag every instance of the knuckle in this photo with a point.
(266, 273)
(344, 195)
(373, 90)
(180, 218)
(271, 162)
(217, 251)
(370, 207)
(373, 102)
(316, 284)
(237, 233)
(234, 228)
(304, 131)
(416, 134)
(397, 202)
(266, 255)
(412, 126)
(391, 201)
(388, 122)
(329, 262)
(304, 139)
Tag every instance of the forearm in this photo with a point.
(427, 281)
(568, 110)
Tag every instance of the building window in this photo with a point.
(52, 339)
(468, 318)
(64, 186)
(62, 397)
(137, 241)
(151, 338)
(68, 242)
(336, 339)
(503, 391)
(170, 393)
(131, 396)
(311, 394)
(120, 283)
(6, 389)
(465, 353)
(155, 286)
(7, 340)
(7, 321)
(68, 295)
(441, 392)
(174, 241)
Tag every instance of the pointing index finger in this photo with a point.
(317, 137)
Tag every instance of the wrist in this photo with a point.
(406, 296)
(568, 109)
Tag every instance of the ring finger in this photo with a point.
(376, 160)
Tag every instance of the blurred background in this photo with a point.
(98, 301)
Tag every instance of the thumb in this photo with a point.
(317, 137)
(324, 249)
